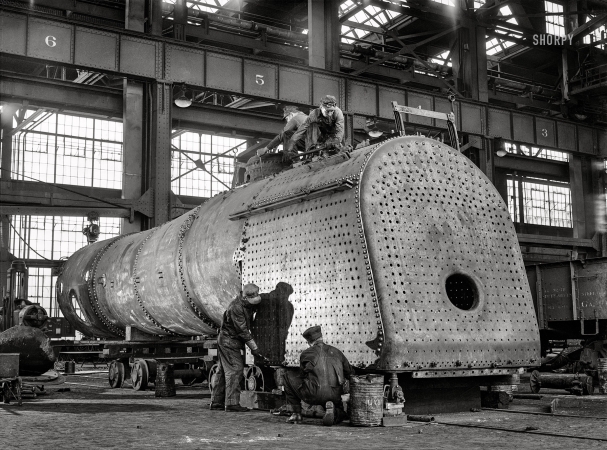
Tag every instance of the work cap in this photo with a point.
(328, 101)
(288, 110)
(250, 290)
(312, 333)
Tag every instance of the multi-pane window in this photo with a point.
(445, 2)
(67, 149)
(599, 34)
(54, 237)
(496, 45)
(442, 58)
(539, 202)
(201, 164)
(201, 5)
(367, 16)
(537, 152)
(41, 289)
(555, 21)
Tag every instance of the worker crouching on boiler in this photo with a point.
(323, 372)
(234, 334)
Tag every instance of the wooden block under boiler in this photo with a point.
(9, 365)
(264, 401)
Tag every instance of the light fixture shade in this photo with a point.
(501, 152)
(182, 101)
(374, 133)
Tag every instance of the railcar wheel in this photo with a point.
(213, 377)
(254, 380)
(140, 375)
(116, 374)
(535, 382)
(588, 386)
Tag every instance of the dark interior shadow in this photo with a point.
(272, 321)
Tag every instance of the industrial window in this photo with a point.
(201, 164)
(537, 152)
(201, 5)
(41, 289)
(539, 202)
(445, 2)
(443, 58)
(600, 34)
(54, 237)
(67, 149)
(496, 45)
(373, 20)
(555, 21)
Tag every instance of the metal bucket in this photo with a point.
(70, 367)
(602, 374)
(366, 400)
(165, 381)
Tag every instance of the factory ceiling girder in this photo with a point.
(141, 56)
(363, 99)
(60, 95)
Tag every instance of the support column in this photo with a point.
(323, 34)
(316, 34)
(132, 154)
(161, 151)
(470, 63)
(578, 213)
(332, 33)
(155, 18)
(181, 19)
(135, 15)
(6, 126)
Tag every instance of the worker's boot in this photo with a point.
(217, 406)
(329, 417)
(236, 408)
(296, 414)
(295, 418)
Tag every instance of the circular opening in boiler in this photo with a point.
(462, 291)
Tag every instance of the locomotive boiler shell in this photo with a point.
(367, 245)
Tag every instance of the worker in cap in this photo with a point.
(234, 335)
(294, 118)
(319, 381)
(324, 128)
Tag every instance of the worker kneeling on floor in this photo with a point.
(323, 372)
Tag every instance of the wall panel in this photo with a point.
(96, 49)
(545, 132)
(184, 65)
(138, 56)
(362, 98)
(522, 128)
(386, 97)
(295, 85)
(13, 33)
(50, 40)
(224, 72)
(566, 136)
(260, 79)
(472, 119)
(498, 123)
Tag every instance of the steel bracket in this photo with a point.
(145, 203)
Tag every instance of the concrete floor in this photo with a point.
(94, 416)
